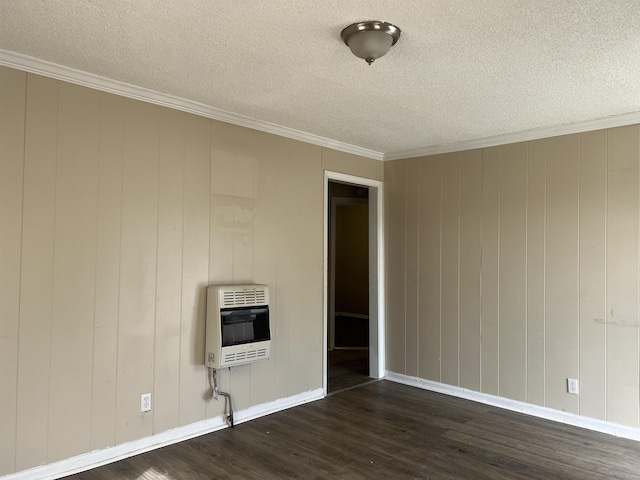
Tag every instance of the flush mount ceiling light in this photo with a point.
(370, 40)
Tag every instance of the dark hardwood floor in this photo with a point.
(347, 369)
(388, 430)
(348, 364)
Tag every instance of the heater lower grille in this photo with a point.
(246, 356)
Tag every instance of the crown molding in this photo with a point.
(547, 132)
(78, 77)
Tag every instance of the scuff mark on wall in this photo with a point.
(617, 323)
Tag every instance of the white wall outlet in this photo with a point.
(572, 386)
(145, 402)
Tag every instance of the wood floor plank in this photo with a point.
(347, 369)
(387, 430)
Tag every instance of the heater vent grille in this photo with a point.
(244, 297)
(241, 357)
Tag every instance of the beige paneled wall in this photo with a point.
(350, 164)
(12, 106)
(395, 176)
(525, 262)
(470, 263)
(114, 217)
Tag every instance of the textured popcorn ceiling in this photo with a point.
(462, 70)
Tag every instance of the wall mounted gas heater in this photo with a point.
(237, 327)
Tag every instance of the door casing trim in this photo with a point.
(376, 272)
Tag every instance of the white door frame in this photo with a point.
(376, 272)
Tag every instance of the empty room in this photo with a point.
(359, 240)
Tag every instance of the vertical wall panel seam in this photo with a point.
(24, 157)
(208, 217)
(418, 282)
(498, 253)
(95, 264)
(274, 302)
(184, 189)
(234, 225)
(53, 269)
(544, 284)
(279, 221)
(440, 274)
(122, 157)
(122, 154)
(458, 286)
(406, 232)
(209, 198)
(481, 259)
(417, 289)
(578, 266)
(95, 270)
(273, 292)
(155, 303)
(526, 275)
(606, 279)
(233, 212)
(115, 406)
(255, 201)
(638, 280)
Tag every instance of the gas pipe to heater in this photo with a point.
(216, 392)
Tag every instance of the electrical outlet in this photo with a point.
(145, 402)
(572, 386)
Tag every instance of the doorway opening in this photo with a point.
(348, 350)
(353, 334)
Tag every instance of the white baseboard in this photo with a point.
(517, 406)
(97, 458)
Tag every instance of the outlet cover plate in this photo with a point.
(145, 402)
(572, 386)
